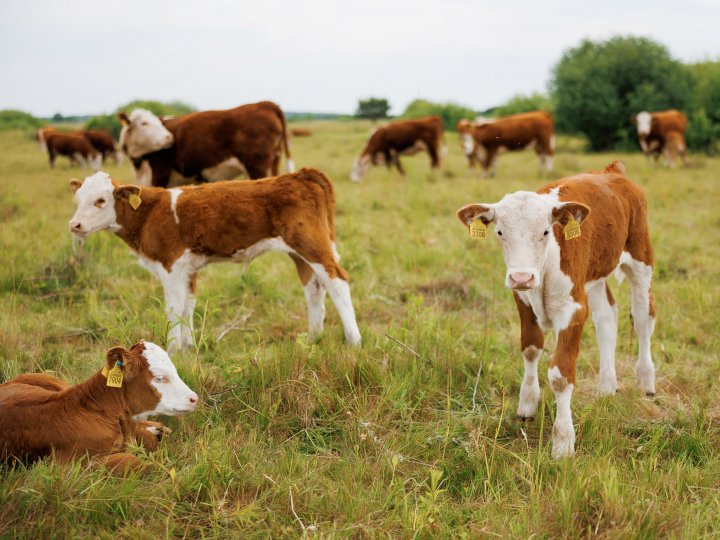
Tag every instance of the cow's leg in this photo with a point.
(314, 295)
(51, 158)
(561, 376)
(187, 326)
(434, 157)
(532, 341)
(605, 318)
(490, 160)
(643, 313)
(177, 289)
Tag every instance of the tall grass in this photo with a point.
(297, 438)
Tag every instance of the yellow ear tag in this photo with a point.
(105, 371)
(478, 230)
(115, 376)
(135, 201)
(572, 229)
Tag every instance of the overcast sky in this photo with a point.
(90, 56)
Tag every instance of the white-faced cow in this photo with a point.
(205, 146)
(560, 245)
(100, 417)
(483, 141)
(662, 132)
(177, 232)
(404, 137)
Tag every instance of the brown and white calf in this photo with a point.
(557, 281)
(103, 142)
(403, 137)
(75, 146)
(178, 231)
(41, 414)
(662, 132)
(483, 141)
(206, 146)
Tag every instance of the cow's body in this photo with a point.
(557, 282)
(75, 146)
(483, 141)
(41, 415)
(300, 132)
(403, 137)
(206, 146)
(41, 134)
(103, 142)
(177, 232)
(662, 132)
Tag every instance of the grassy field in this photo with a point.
(296, 438)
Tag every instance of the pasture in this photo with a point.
(412, 435)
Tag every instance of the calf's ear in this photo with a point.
(124, 119)
(471, 212)
(74, 184)
(127, 359)
(124, 192)
(570, 210)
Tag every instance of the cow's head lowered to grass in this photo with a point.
(524, 225)
(143, 133)
(96, 203)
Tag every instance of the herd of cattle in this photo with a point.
(560, 246)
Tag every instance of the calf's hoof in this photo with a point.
(563, 440)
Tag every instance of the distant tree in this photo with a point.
(372, 108)
(521, 103)
(57, 117)
(449, 112)
(597, 86)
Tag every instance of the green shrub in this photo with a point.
(449, 112)
(702, 134)
(12, 119)
(110, 122)
(521, 103)
(597, 86)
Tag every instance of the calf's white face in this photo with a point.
(143, 133)
(524, 225)
(644, 122)
(175, 396)
(95, 205)
(361, 166)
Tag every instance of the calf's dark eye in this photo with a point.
(546, 233)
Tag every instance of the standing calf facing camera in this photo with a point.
(177, 232)
(40, 414)
(560, 245)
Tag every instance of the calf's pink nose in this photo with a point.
(75, 226)
(193, 399)
(520, 277)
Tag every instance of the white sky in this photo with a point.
(90, 56)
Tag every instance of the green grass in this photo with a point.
(301, 438)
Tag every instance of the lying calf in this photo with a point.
(40, 414)
(560, 245)
(177, 232)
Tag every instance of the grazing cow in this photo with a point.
(482, 141)
(74, 146)
(467, 143)
(205, 146)
(103, 142)
(177, 232)
(559, 255)
(41, 134)
(300, 132)
(662, 132)
(98, 417)
(404, 137)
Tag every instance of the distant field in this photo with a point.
(298, 438)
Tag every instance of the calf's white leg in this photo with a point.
(605, 319)
(177, 290)
(530, 388)
(640, 276)
(315, 297)
(339, 291)
(563, 433)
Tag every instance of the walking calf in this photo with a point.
(560, 245)
(40, 414)
(177, 232)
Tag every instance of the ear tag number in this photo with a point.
(572, 229)
(115, 376)
(478, 230)
(135, 201)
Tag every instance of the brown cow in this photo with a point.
(403, 137)
(662, 132)
(560, 245)
(206, 146)
(516, 132)
(464, 128)
(300, 132)
(42, 415)
(177, 232)
(41, 134)
(103, 142)
(75, 147)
